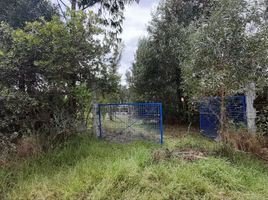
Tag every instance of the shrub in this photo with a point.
(262, 120)
(242, 140)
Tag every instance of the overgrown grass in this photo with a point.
(87, 168)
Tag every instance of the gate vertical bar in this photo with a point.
(99, 112)
(161, 123)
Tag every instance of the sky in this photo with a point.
(137, 17)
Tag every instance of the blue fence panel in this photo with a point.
(131, 121)
(236, 109)
(210, 112)
(209, 121)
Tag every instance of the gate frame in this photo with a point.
(161, 127)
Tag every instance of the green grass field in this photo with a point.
(87, 168)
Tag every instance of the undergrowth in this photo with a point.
(87, 168)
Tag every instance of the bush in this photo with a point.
(16, 112)
(262, 120)
(242, 140)
(45, 115)
(7, 149)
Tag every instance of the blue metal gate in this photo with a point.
(210, 111)
(131, 121)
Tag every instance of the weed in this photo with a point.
(87, 168)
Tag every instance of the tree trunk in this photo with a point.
(72, 100)
(22, 82)
(95, 111)
(222, 115)
(73, 5)
(180, 105)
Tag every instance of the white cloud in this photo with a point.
(137, 17)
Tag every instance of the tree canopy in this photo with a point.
(17, 12)
(50, 65)
(228, 51)
(156, 72)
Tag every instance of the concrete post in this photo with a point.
(251, 111)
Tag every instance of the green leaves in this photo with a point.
(17, 12)
(224, 54)
(156, 72)
(49, 62)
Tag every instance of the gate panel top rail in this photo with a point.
(132, 104)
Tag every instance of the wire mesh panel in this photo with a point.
(133, 121)
(210, 114)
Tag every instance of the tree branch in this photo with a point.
(63, 14)
(64, 4)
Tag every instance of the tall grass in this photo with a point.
(87, 168)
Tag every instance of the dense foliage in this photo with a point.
(226, 52)
(48, 62)
(52, 67)
(156, 72)
(17, 12)
(262, 111)
(197, 49)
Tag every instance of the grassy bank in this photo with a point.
(87, 168)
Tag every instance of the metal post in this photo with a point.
(99, 112)
(161, 124)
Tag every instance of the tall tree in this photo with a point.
(53, 64)
(115, 10)
(228, 52)
(47, 55)
(157, 68)
(18, 12)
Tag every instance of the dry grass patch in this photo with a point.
(244, 141)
